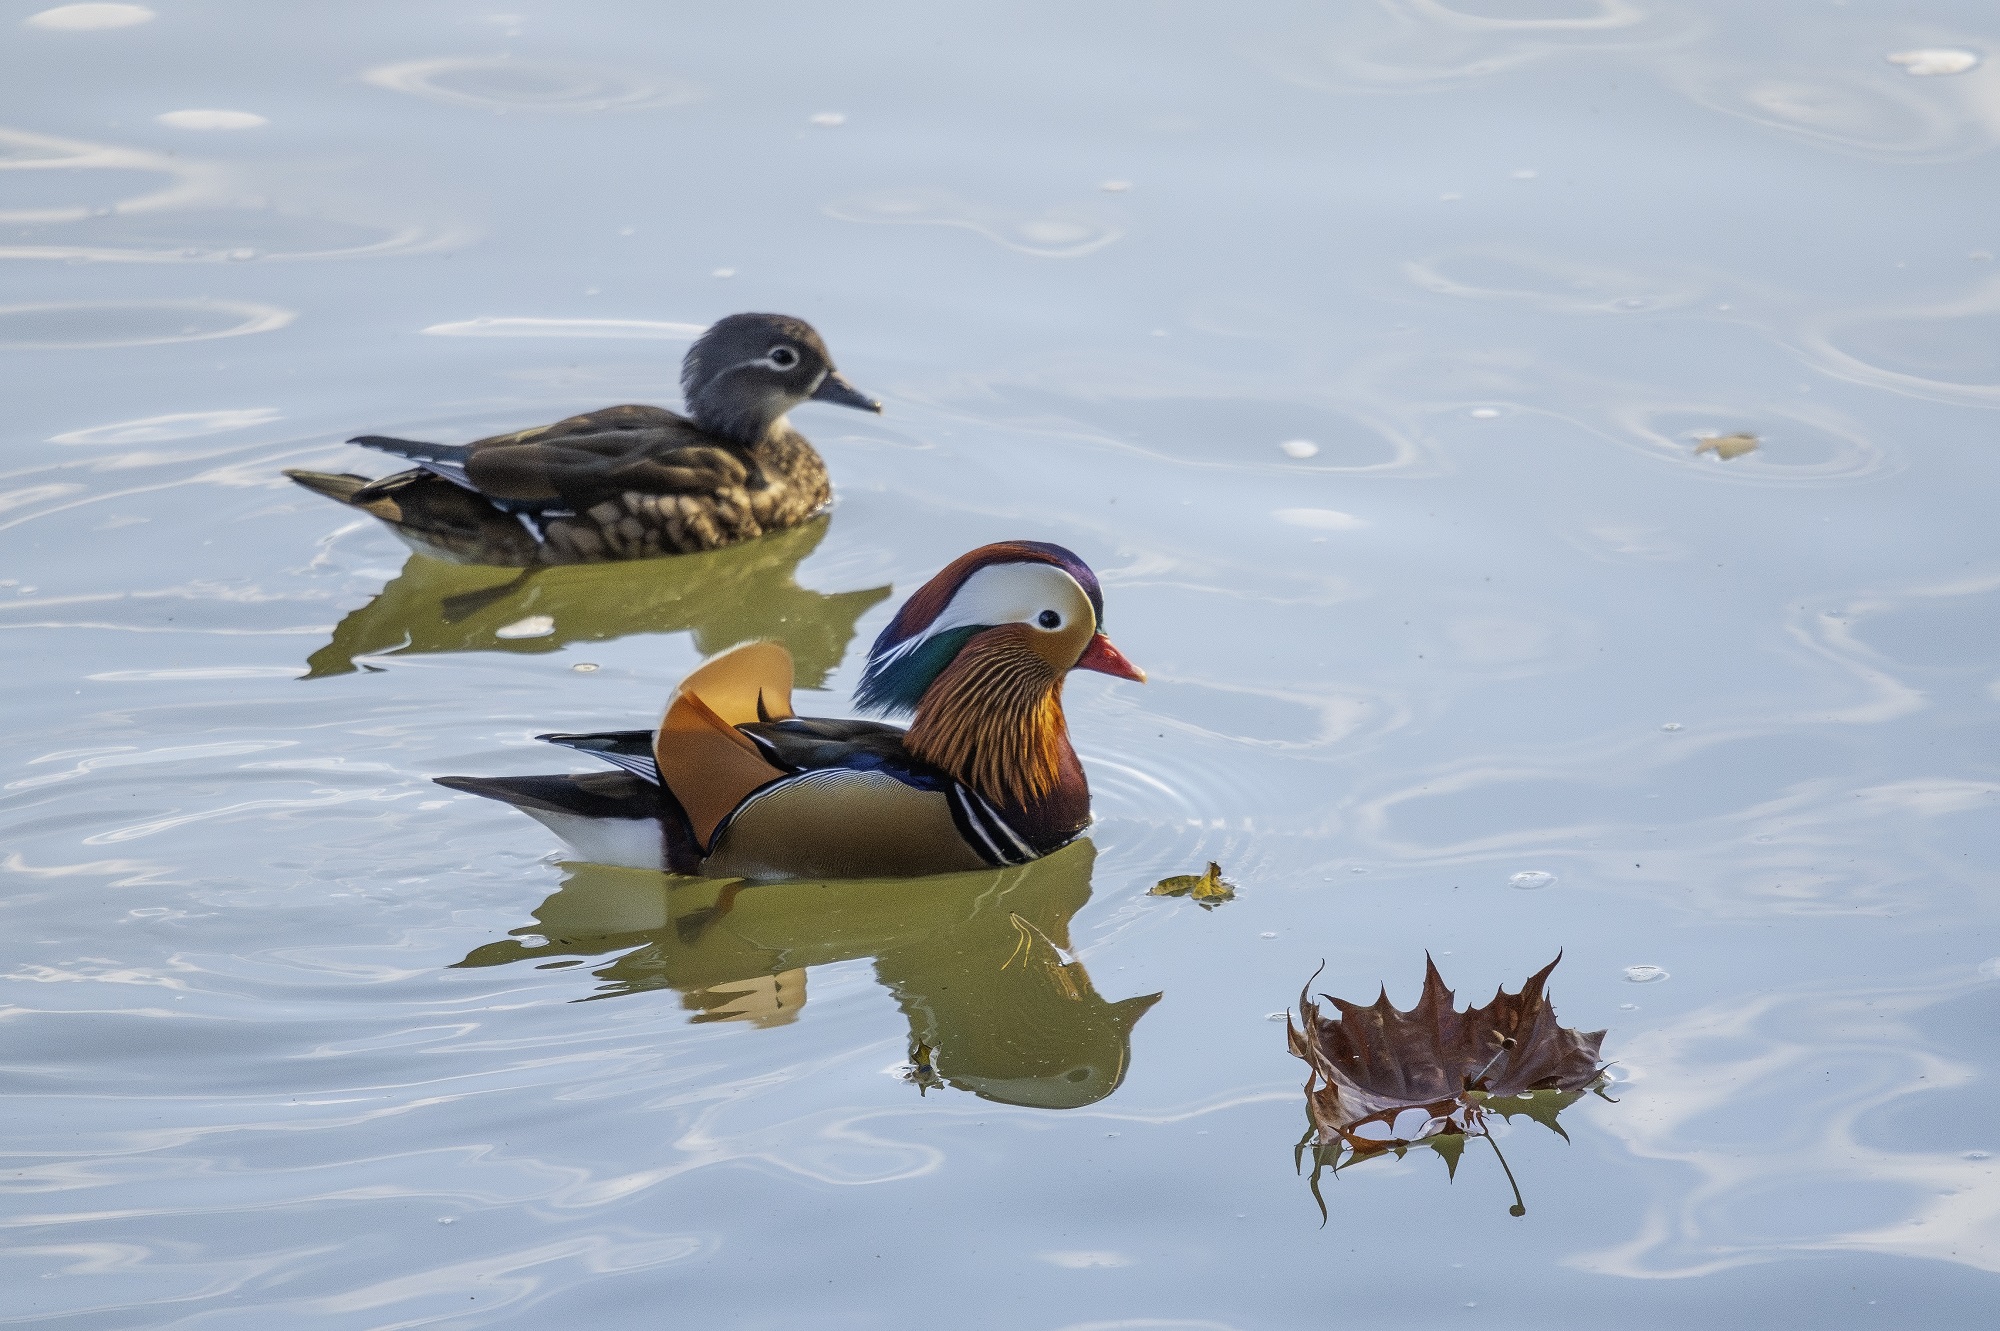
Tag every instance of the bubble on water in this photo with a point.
(446, 1220)
(1628, 1007)
(1277, 1016)
(1357, 869)
(534, 626)
(1529, 880)
(1483, 413)
(1671, 726)
(210, 119)
(828, 120)
(1934, 60)
(1267, 935)
(1299, 448)
(1115, 186)
(89, 18)
(1975, 1155)
(584, 667)
(1644, 974)
(723, 272)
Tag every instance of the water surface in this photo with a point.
(294, 1036)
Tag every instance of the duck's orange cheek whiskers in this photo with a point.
(1102, 657)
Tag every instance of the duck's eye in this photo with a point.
(784, 357)
(1049, 619)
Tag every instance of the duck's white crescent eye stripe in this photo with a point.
(1001, 594)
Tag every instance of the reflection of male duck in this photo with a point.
(975, 961)
(721, 596)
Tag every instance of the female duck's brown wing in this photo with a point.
(631, 416)
(627, 482)
(587, 459)
(580, 461)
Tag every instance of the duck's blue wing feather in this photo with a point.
(804, 744)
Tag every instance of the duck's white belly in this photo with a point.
(624, 843)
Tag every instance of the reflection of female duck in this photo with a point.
(721, 596)
(626, 482)
(733, 785)
(975, 963)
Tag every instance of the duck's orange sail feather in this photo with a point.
(709, 765)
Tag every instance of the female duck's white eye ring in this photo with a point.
(784, 357)
(1049, 619)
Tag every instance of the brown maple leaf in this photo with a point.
(1384, 1079)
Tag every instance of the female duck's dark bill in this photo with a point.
(1102, 657)
(835, 389)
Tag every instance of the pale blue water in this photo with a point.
(1501, 264)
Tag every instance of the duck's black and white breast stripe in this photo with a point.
(985, 830)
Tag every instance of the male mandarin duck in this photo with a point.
(734, 785)
(626, 482)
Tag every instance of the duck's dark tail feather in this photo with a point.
(631, 750)
(414, 449)
(446, 460)
(347, 488)
(442, 519)
(608, 817)
(584, 795)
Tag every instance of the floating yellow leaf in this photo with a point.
(1726, 446)
(1208, 888)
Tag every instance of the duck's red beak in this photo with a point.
(1102, 657)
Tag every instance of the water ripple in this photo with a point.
(1869, 111)
(201, 211)
(512, 326)
(1067, 231)
(1940, 350)
(1417, 45)
(1831, 1065)
(502, 83)
(76, 325)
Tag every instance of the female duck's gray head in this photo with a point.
(748, 370)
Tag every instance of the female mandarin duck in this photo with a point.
(733, 785)
(626, 482)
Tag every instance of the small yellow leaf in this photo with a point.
(1209, 888)
(1727, 446)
